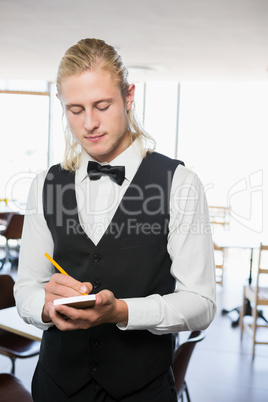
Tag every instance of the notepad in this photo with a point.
(83, 301)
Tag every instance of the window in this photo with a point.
(222, 132)
(160, 111)
(24, 142)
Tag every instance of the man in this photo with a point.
(135, 233)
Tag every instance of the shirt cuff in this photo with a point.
(35, 317)
(143, 313)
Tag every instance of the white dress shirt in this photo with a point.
(192, 306)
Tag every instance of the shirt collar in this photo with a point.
(131, 158)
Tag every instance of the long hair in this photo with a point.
(84, 56)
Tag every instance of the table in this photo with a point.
(12, 322)
(235, 239)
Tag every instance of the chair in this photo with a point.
(12, 389)
(219, 215)
(3, 218)
(257, 296)
(219, 253)
(12, 231)
(181, 361)
(13, 345)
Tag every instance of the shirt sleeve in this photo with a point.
(192, 306)
(34, 269)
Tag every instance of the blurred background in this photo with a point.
(201, 73)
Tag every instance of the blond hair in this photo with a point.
(84, 56)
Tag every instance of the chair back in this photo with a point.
(262, 273)
(219, 215)
(256, 296)
(219, 254)
(182, 358)
(14, 227)
(263, 260)
(12, 389)
(6, 292)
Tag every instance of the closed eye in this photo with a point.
(78, 112)
(102, 109)
(75, 109)
(103, 104)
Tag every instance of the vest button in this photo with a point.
(93, 367)
(94, 342)
(96, 257)
(96, 285)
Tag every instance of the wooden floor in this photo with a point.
(221, 368)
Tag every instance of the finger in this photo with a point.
(59, 318)
(104, 297)
(86, 288)
(68, 318)
(67, 280)
(68, 285)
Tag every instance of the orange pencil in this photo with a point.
(56, 265)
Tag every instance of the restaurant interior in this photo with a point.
(200, 70)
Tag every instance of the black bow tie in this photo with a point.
(116, 173)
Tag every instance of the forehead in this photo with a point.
(90, 86)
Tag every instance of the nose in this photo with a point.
(91, 121)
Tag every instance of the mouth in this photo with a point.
(95, 138)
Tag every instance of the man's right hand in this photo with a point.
(62, 286)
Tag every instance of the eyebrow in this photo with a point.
(108, 100)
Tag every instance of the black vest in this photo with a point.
(131, 260)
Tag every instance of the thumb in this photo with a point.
(104, 297)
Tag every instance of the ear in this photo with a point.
(130, 96)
